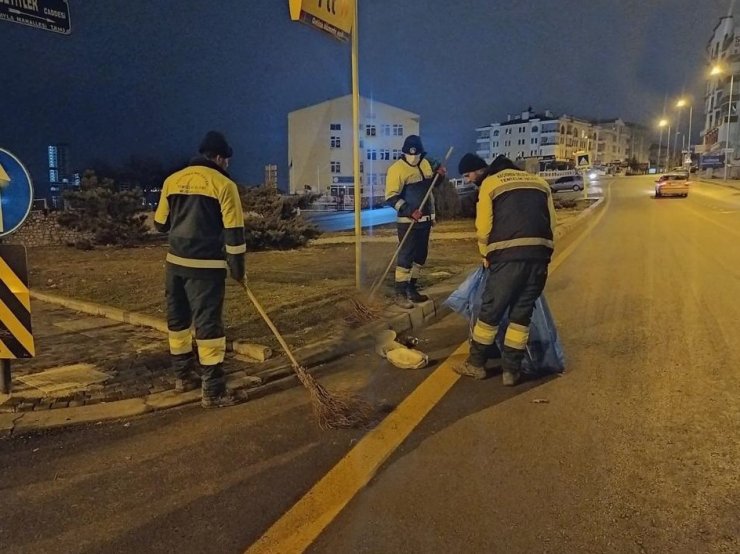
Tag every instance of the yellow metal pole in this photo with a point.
(356, 153)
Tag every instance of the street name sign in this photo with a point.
(16, 193)
(334, 17)
(16, 338)
(47, 15)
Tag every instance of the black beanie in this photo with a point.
(412, 145)
(469, 163)
(215, 143)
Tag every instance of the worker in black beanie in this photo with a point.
(201, 209)
(515, 226)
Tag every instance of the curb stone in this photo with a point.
(277, 376)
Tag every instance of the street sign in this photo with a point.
(16, 339)
(334, 17)
(582, 160)
(47, 15)
(16, 192)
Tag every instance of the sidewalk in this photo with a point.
(91, 368)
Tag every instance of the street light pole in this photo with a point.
(660, 144)
(356, 147)
(668, 147)
(729, 116)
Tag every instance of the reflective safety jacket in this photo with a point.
(515, 217)
(405, 187)
(201, 209)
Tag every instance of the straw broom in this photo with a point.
(341, 410)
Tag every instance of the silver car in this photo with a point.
(569, 182)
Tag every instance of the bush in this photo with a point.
(273, 221)
(107, 215)
(446, 200)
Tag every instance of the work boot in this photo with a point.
(510, 378)
(400, 299)
(412, 293)
(186, 378)
(223, 400)
(466, 369)
(187, 384)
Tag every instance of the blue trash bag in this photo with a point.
(544, 349)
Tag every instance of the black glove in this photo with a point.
(236, 263)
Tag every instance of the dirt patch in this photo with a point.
(302, 289)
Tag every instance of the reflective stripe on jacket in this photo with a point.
(200, 207)
(515, 217)
(405, 187)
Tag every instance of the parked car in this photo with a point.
(675, 183)
(569, 182)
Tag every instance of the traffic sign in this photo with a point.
(16, 339)
(16, 193)
(334, 17)
(582, 160)
(47, 15)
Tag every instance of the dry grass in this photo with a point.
(305, 291)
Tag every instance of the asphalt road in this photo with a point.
(635, 449)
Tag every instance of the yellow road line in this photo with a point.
(299, 527)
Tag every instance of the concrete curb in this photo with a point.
(116, 314)
(719, 183)
(277, 376)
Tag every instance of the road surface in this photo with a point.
(634, 449)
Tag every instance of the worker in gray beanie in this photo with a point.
(515, 226)
(201, 209)
(407, 182)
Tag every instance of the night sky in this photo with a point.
(150, 78)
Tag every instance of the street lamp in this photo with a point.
(682, 104)
(716, 71)
(662, 123)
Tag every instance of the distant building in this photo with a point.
(320, 149)
(556, 139)
(723, 49)
(59, 173)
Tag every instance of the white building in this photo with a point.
(723, 50)
(530, 135)
(549, 138)
(320, 146)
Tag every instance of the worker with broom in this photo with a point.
(515, 225)
(407, 183)
(200, 208)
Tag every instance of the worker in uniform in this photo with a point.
(201, 209)
(407, 182)
(515, 225)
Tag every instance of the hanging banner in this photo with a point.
(334, 17)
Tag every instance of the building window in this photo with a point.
(335, 126)
(370, 130)
(385, 130)
(336, 167)
(372, 154)
(396, 154)
(385, 154)
(397, 130)
(336, 142)
(362, 166)
(495, 133)
(535, 128)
